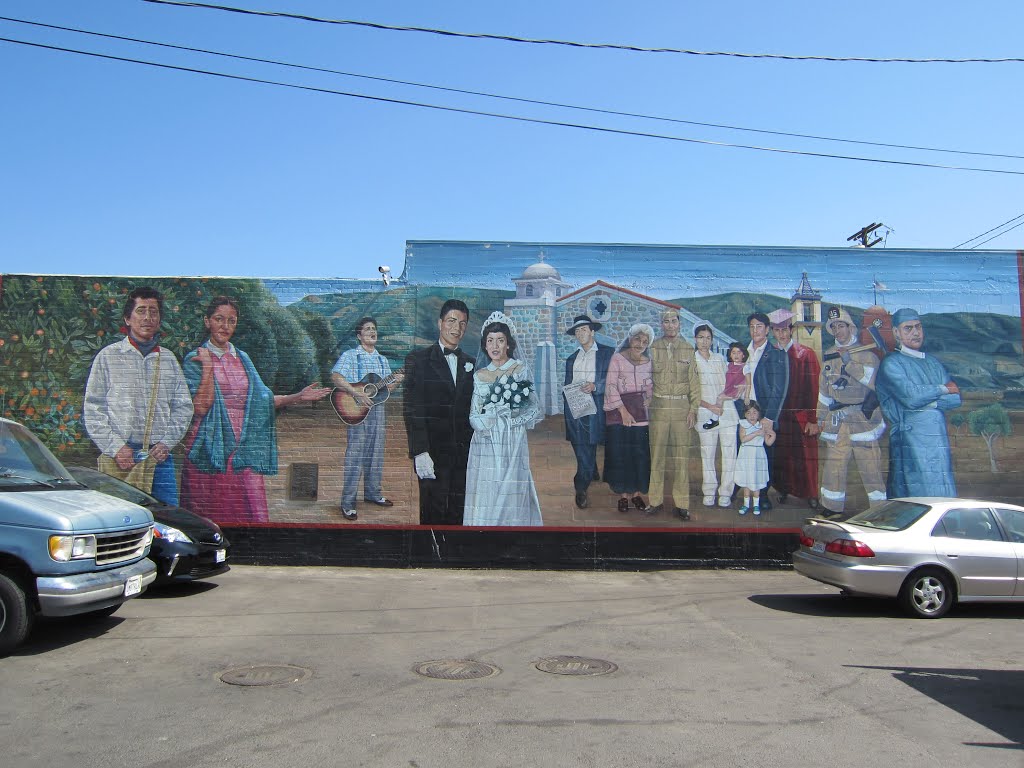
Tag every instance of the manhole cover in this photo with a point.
(575, 665)
(456, 669)
(274, 674)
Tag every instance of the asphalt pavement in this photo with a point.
(299, 667)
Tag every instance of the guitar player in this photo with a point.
(364, 448)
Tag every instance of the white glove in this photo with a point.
(425, 467)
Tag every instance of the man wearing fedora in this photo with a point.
(589, 365)
(849, 419)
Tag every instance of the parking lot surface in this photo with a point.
(282, 667)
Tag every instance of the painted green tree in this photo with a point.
(990, 423)
(958, 419)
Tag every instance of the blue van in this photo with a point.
(64, 549)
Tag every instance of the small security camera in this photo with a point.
(383, 269)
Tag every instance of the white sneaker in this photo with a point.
(724, 501)
(709, 501)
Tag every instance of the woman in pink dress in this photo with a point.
(627, 397)
(232, 442)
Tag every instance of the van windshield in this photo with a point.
(25, 461)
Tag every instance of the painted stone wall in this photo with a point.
(966, 307)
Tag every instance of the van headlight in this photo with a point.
(64, 548)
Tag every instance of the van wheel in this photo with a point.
(927, 594)
(15, 615)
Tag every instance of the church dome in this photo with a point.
(541, 270)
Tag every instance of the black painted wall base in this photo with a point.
(565, 549)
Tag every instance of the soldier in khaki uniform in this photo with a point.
(673, 413)
(849, 418)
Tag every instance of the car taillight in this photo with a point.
(849, 548)
(806, 541)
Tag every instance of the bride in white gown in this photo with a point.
(499, 485)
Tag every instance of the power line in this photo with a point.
(1000, 226)
(575, 44)
(498, 115)
(1020, 223)
(617, 113)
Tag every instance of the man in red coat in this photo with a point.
(795, 471)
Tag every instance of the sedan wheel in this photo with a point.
(927, 594)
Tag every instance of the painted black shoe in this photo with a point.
(581, 500)
(683, 514)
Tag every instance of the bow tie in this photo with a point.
(454, 352)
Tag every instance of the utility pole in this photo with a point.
(864, 236)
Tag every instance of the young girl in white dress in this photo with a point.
(499, 484)
(752, 461)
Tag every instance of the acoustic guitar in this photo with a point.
(373, 386)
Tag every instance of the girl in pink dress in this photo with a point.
(737, 379)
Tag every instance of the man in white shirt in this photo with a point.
(121, 386)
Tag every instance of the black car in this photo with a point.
(185, 546)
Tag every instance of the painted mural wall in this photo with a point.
(591, 386)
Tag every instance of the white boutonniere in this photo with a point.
(468, 367)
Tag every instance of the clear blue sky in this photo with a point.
(125, 169)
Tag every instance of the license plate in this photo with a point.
(133, 586)
(220, 556)
(818, 546)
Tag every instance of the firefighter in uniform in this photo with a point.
(849, 417)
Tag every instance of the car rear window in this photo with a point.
(890, 515)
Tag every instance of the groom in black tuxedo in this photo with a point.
(438, 393)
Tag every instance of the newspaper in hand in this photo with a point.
(580, 403)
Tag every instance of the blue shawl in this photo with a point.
(215, 442)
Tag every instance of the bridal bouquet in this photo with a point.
(508, 390)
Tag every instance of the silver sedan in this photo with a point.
(929, 553)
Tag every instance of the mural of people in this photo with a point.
(849, 419)
(364, 444)
(795, 472)
(232, 443)
(438, 394)
(587, 365)
(716, 416)
(915, 391)
(499, 484)
(627, 399)
(769, 368)
(673, 414)
(136, 401)
(752, 473)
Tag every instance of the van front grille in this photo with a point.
(118, 547)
